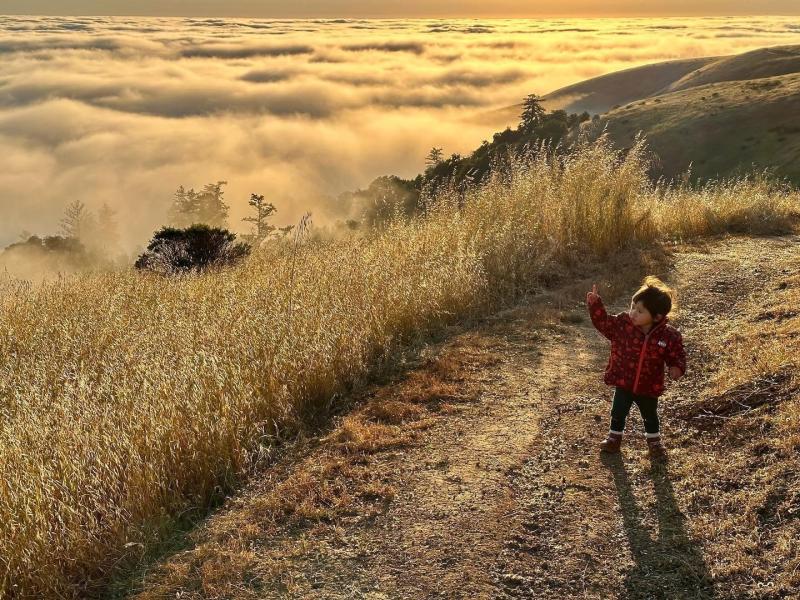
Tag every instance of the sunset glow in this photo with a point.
(397, 9)
(124, 110)
(313, 299)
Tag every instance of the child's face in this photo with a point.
(640, 316)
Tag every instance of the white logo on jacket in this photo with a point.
(662, 343)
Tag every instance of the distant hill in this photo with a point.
(758, 64)
(721, 115)
(720, 129)
(601, 94)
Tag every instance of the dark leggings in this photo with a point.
(623, 399)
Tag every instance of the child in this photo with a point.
(642, 342)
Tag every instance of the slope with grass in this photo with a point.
(475, 473)
(721, 116)
(757, 64)
(132, 401)
(601, 94)
(719, 129)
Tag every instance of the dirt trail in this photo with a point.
(456, 506)
(507, 497)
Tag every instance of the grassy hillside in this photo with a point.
(721, 115)
(720, 129)
(600, 94)
(132, 399)
(765, 62)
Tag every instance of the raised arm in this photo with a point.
(603, 322)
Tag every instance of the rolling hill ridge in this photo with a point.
(718, 116)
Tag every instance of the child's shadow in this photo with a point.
(670, 566)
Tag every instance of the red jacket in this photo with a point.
(637, 360)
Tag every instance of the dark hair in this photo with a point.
(655, 296)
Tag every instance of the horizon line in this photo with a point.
(419, 18)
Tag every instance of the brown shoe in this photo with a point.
(611, 443)
(655, 448)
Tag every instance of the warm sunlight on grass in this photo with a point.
(741, 411)
(755, 204)
(130, 398)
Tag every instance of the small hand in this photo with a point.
(592, 296)
(675, 373)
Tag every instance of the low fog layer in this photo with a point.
(122, 111)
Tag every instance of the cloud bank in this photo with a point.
(124, 110)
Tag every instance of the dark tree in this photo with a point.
(195, 248)
(434, 157)
(264, 210)
(532, 113)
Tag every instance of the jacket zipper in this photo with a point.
(641, 360)
(641, 356)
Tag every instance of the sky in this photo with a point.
(400, 8)
(124, 110)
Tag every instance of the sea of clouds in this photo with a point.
(124, 110)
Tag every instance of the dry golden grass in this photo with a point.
(742, 419)
(129, 398)
(755, 205)
(317, 485)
